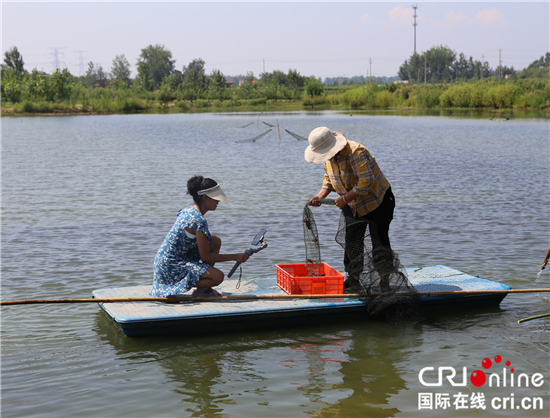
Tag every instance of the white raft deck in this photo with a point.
(141, 319)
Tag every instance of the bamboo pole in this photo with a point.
(546, 259)
(533, 317)
(263, 297)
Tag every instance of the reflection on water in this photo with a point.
(86, 202)
(327, 369)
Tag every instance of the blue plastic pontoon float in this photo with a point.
(142, 319)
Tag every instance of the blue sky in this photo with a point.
(324, 39)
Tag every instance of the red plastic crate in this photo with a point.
(323, 280)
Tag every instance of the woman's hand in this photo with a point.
(343, 200)
(314, 201)
(321, 195)
(340, 202)
(241, 257)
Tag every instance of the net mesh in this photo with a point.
(373, 270)
(298, 137)
(255, 138)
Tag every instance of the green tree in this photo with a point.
(538, 68)
(60, 85)
(91, 75)
(101, 76)
(95, 75)
(165, 93)
(194, 76)
(439, 61)
(175, 81)
(314, 87)
(35, 85)
(11, 88)
(435, 65)
(216, 85)
(412, 69)
(277, 77)
(160, 64)
(14, 61)
(295, 80)
(143, 79)
(461, 68)
(217, 79)
(120, 71)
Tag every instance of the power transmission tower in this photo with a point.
(425, 68)
(80, 63)
(56, 63)
(415, 24)
(499, 65)
(370, 70)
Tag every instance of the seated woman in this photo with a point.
(187, 256)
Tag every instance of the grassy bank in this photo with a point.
(525, 94)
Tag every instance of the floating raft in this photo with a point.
(142, 319)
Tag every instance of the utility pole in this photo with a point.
(415, 24)
(482, 65)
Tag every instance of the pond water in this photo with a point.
(87, 200)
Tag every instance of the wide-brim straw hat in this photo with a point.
(215, 193)
(323, 145)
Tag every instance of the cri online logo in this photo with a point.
(479, 377)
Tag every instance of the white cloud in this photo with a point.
(455, 18)
(400, 15)
(366, 19)
(489, 17)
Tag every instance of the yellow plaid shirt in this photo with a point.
(354, 167)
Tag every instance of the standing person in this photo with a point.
(364, 195)
(187, 256)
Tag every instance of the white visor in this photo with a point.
(215, 193)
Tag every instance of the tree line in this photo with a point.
(441, 64)
(156, 72)
(158, 79)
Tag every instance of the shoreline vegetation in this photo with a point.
(437, 80)
(509, 96)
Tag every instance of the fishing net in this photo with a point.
(298, 137)
(373, 270)
(255, 138)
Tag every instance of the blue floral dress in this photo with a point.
(178, 265)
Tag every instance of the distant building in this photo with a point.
(242, 82)
(229, 82)
(401, 82)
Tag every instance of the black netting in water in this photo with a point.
(373, 270)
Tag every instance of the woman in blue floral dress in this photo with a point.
(187, 256)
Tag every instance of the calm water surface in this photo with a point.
(86, 202)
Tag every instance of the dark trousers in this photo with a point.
(378, 222)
